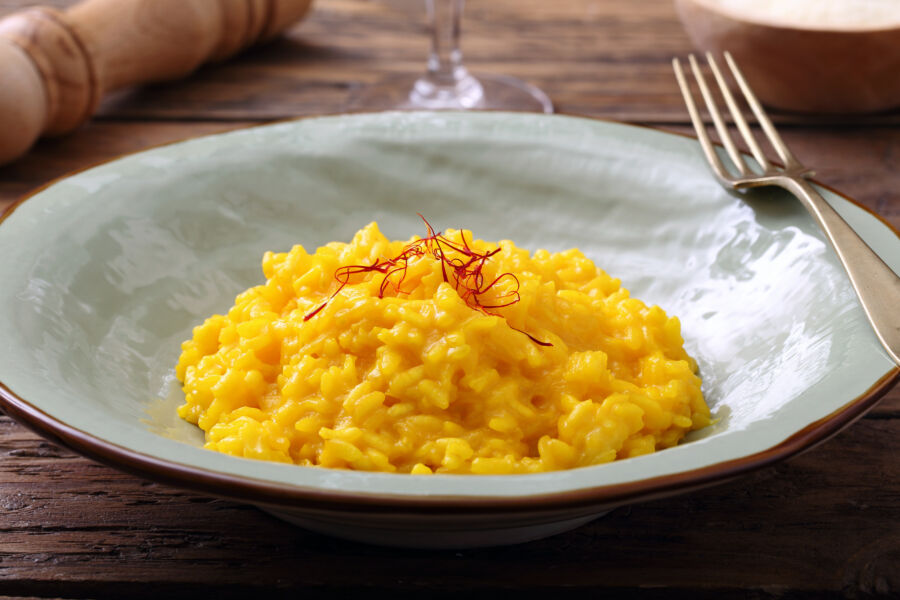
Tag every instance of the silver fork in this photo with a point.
(876, 285)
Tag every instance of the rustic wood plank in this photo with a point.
(587, 56)
(826, 522)
(591, 56)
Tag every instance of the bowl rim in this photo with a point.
(713, 7)
(275, 494)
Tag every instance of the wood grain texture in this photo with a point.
(593, 57)
(824, 524)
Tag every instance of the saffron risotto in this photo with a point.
(525, 363)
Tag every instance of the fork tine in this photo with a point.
(761, 116)
(708, 150)
(724, 135)
(736, 114)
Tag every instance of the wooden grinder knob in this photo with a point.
(55, 66)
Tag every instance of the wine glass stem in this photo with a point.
(445, 66)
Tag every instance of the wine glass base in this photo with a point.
(500, 92)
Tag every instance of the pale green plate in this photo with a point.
(106, 272)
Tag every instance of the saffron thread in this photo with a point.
(465, 273)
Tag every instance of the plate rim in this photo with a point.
(261, 491)
(271, 493)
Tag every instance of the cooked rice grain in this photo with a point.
(420, 382)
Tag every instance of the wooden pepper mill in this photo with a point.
(55, 66)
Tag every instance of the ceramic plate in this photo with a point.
(106, 272)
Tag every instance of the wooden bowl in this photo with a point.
(790, 67)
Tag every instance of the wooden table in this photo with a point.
(826, 523)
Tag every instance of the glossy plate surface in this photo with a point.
(106, 272)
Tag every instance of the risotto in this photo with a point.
(441, 354)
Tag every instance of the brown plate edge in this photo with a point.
(285, 495)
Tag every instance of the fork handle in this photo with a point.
(876, 284)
